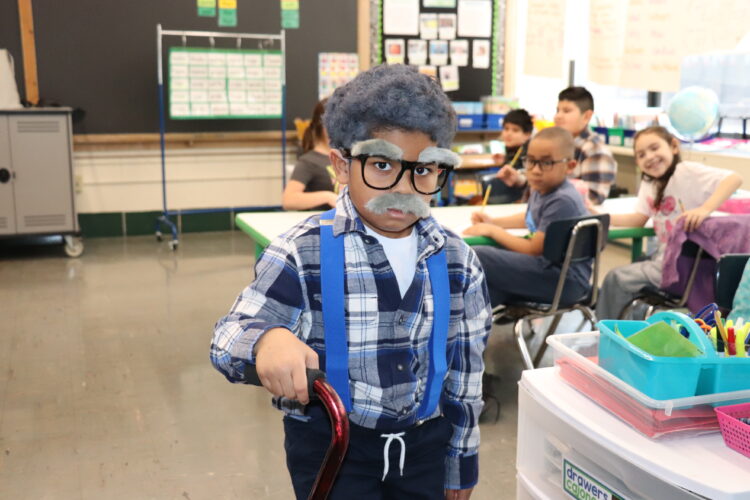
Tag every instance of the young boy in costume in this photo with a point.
(402, 339)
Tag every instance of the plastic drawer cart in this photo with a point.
(569, 447)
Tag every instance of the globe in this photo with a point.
(692, 112)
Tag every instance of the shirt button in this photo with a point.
(400, 367)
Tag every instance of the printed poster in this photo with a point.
(290, 14)
(440, 4)
(449, 78)
(229, 83)
(429, 70)
(480, 55)
(400, 17)
(475, 18)
(446, 26)
(544, 38)
(394, 50)
(228, 13)
(334, 70)
(438, 52)
(417, 52)
(428, 26)
(459, 52)
(207, 8)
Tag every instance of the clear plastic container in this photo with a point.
(575, 356)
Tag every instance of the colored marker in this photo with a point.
(731, 345)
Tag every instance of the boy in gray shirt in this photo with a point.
(516, 270)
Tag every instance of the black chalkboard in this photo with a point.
(100, 55)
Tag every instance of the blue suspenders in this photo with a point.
(337, 352)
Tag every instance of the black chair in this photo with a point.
(658, 299)
(566, 241)
(728, 274)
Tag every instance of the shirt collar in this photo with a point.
(582, 137)
(431, 236)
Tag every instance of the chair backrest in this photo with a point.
(558, 235)
(729, 271)
(572, 240)
(691, 250)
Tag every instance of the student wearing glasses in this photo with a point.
(516, 270)
(403, 300)
(596, 168)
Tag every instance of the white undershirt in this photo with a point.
(402, 256)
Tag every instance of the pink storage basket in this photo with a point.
(736, 206)
(736, 434)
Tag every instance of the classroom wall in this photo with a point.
(130, 180)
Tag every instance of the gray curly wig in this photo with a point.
(389, 97)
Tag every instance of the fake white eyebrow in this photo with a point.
(377, 147)
(440, 156)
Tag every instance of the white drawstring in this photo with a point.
(386, 449)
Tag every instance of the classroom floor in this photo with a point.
(107, 392)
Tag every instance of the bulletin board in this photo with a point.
(453, 40)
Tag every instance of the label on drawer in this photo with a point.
(581, 485)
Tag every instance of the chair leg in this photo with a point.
(649, 311)
(543, 347)
(518, 331)
(589, 315)
(628, 308)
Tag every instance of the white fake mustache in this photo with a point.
(407, 203)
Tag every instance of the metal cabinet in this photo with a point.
(36, 175)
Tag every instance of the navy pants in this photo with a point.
(361, 474)
(516, 277)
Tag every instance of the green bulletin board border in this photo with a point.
(208, 50)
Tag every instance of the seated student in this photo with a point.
(671, 189)
(311, 186)
(517, 128)
(517, 271)
(596, 166)
(404, 334)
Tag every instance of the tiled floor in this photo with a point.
(106, 390)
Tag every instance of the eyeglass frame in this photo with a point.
(405, 165)
(544, 165)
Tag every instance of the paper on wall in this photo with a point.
(475, 18)
(449, 78)
(417, 52)
(334, 70)
(394, 50)
(447, 26)
(480, 54)
(400, 17)
(459, 52)
(428, 26)
(438, 52)
(429, 70)
(544, 38)
(606, 40)
(443, 4)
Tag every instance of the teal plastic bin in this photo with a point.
(656, 376)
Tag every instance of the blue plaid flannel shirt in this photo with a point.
(286, 293)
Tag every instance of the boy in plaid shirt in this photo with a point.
(415, 305)
(596, 169)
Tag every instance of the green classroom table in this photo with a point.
(262, 227)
